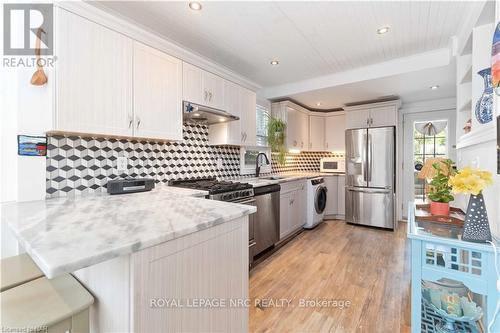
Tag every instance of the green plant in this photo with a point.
(440, 189)
(276, 137)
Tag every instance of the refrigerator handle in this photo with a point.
(369, 160)
(365, 163)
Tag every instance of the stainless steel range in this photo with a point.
(226, 191)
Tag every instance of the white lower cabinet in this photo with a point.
(157, 94)
(341, 195)
(332, 196)
(293, 207)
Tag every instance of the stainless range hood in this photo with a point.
(203, 114)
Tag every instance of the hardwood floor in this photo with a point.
(335, 261)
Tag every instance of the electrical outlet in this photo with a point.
(219, 163)
(121, 164)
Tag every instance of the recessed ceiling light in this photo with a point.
(434, 87)
(194, 5)
(275, 62)
(196, 114)
(383, 30)
(222, 120)
(318, 104)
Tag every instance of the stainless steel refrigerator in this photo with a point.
(370, 176)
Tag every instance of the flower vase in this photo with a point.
(476, 226)
(484, 106)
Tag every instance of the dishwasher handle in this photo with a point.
(261, 190)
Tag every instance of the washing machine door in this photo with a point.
(320, 199)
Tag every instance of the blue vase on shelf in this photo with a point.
(484, 106)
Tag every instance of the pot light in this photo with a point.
(434, 87)
(194, 5)
(383, 30)
(196, 114)
(222, 120)
(275, 62)
(294, 151)
(318, 104)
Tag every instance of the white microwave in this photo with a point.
(332, 164)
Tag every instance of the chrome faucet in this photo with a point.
(257, 166)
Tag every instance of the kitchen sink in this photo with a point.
(272, 177)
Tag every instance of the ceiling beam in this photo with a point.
(426, 60)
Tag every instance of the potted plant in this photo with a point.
(276, 137)
(473, 181)
(438, 176)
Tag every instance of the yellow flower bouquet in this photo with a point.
(473, 181)
(470, 181)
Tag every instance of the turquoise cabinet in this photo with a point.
(452, 273)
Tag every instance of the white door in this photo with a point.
(192, 84)
(247, 100)
(94, 78)
(410, 156)
(357, 118)
(157, 94)
(213, 90)
(316, 133)
(335, 133)
(341, 195)
(332, 196)
(383, 116)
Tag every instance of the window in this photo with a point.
(248, 158)
(262, 121)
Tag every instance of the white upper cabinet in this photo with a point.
(383, 116)
(93, 78)
(202, 87)
(228, 133)
(335, 133)
(372, 115)
(248, 113)
(192, 84)
(157, 94)
(297, 131)
(316, 133)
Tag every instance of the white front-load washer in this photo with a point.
(316, 202)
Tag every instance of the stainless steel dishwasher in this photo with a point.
(267, 218)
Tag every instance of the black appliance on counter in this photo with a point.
(130, 185)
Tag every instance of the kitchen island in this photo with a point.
(149, 258)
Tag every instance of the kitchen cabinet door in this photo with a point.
(341, 195)
(316, 133)
(357, 118)
(285, 214)
(192, 84)
(228, 133)
(332, 196)
(296, 211)
(93, 77)
(302, 203)
(383, 116)
(157, 94)
(297, 129)
(213, 90)
(335, 133)
(247, 100)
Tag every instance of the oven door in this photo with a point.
(251, 228)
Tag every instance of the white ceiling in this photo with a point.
(310, 39)
(410, 87)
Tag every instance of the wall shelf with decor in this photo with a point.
(453, 281)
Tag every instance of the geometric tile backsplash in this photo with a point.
(78, 165)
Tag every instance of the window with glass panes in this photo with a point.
(262, 121)
(425, 147)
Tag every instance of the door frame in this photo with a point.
(408, 120)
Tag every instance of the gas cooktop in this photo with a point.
(212, 185)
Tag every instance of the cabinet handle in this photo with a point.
(327, 145)
(302, 144)
(294, 143)
(138, 122)
(242, 136)
(205, 96)
(130, 121)
(210, 96)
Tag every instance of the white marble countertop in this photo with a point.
(285, 177)
(63, 235)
